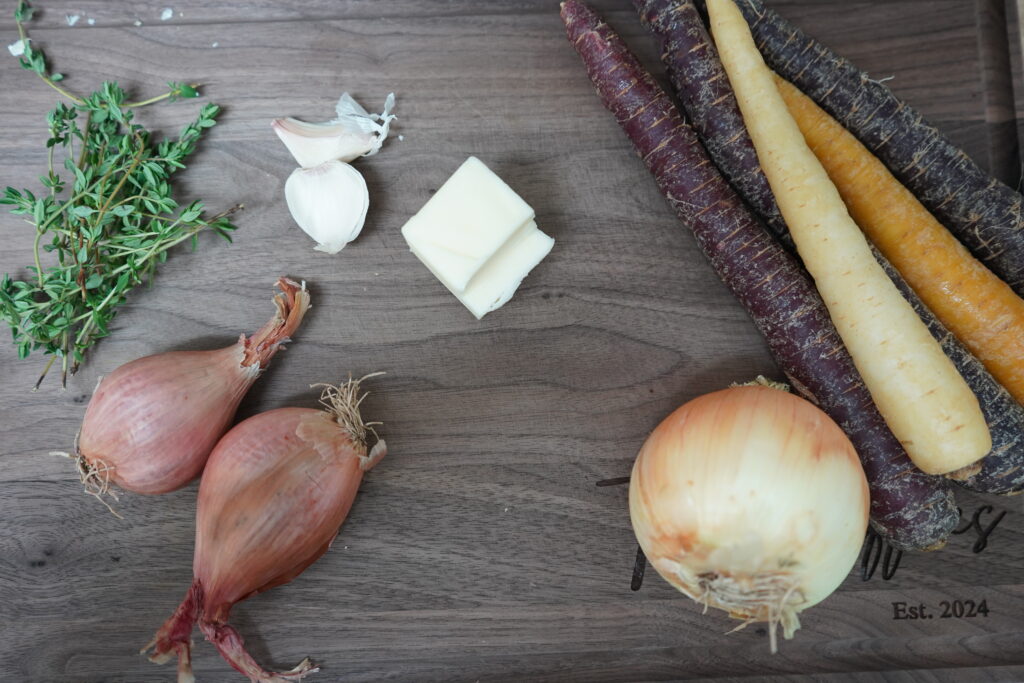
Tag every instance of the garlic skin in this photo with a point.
(354, 117)
(329, 202)
(352, 134)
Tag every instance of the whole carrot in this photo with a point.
(913, 510)
(917, 389)
(983, 213)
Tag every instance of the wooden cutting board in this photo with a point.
(481, 548)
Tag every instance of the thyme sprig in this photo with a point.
(105, 213)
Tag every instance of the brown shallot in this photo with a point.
(275, 491)
(153, 421)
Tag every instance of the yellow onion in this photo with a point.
(750, 500)
(275, 491)
(152, 422)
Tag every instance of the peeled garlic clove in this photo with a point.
(329, 203)
(354, 133)
(315, 143)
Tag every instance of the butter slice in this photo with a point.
(498, 280)
(466, 222)
(478, 237)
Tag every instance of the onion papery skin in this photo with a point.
(274, 494)
(153, 421)
(750, 500)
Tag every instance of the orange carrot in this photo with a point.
(979, 308)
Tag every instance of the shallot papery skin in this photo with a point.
(275, 491)
(153, 421)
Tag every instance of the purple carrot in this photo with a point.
(912, 510)
(700, 81)
(984, 214)
(703, 87)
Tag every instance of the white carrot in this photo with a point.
(923, 399)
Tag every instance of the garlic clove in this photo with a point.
(329, 202)
(315, 143)
(354, 133)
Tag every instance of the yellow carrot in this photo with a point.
(975, 305)
(923, 399)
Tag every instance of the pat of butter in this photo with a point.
(478, 237)
(465, 223)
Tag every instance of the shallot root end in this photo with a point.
(95, 477)
(343, 402)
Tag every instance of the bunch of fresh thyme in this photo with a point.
(105, 214)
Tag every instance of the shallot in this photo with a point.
(750, 500)
(274, 493)
(153, 421)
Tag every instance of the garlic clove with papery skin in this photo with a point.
(329, 202)
(352, 134)
(315, 143)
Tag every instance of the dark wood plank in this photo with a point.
(997, 72)
(106, 14)
(1015, 42)
(480, 549)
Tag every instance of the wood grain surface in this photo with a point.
(480, 548)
